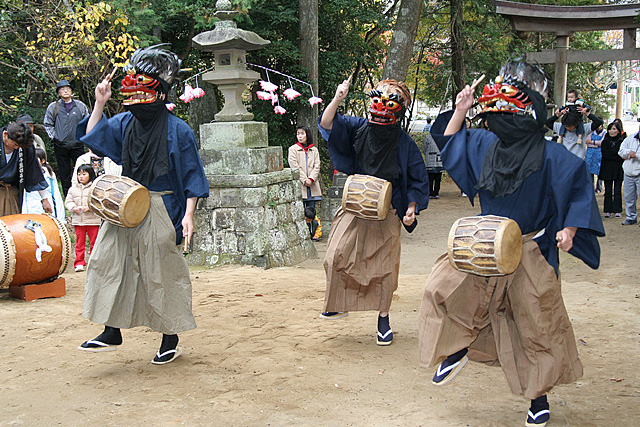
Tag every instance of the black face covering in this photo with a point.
(518, 153)
(145, 154)
(376, 148)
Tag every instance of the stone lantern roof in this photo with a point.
(226, 34)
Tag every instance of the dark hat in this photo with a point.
(61, 84)
(25, 118)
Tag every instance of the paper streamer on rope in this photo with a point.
(269, 89)
(268, 92)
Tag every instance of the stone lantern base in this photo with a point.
(254, 214)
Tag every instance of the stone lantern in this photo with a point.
(229, 45)
(254, 214)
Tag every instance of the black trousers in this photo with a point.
(434, 181)
(613, 199)
(66, 159)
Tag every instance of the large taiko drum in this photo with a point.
(18, 260)
(119, 200)
(485, 245)
(367, 197)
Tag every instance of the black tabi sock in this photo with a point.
(383, 324)
(111, 336)
(169, 342)
(539, 404)
(456, 356)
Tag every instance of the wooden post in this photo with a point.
(560, 78)
(620, 89)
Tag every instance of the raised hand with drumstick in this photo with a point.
(103, 94)
(326, 121)
(464, 102)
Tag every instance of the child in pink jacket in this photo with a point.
(84, 221)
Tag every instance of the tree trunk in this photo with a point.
(457, 48)
(204, 109)
(404, 34)
(308, 14)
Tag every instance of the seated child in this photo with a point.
(573, 102)
(315, 228)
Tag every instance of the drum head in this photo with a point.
(135, 206)
(7, 256)
(508, 247)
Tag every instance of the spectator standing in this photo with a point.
(433, 161)
(60, 122)
(85, 222)
(19, 169)
(631, 167)
(611, 169)
(571, 121)
(594, 155)
(26, 118)
(304, 156)
(101, 165)
(427, 127)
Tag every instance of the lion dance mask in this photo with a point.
(389, 100)
(148, 75)
(505, 94)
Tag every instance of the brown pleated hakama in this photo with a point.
(517, 321)
(362, 263)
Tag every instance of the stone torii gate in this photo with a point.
(563, 21)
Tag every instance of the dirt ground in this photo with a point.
(261, 356)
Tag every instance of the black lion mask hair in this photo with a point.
(156, 62)
(516, 72)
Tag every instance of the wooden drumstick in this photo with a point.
(110, 76)
(186, 246)
(474, 85)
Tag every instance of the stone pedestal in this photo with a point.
(254, 214)
(333, 202)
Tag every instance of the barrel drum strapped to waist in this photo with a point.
(119, 200)
(485, 245)
(367, 197)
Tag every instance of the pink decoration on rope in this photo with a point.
(265, 96)
(188, 95)
(170, 106)
(314, 100)
(291, 94)
(198, 92)
(279, 110)
(274, 99)
(268, 86)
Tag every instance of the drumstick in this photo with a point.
(110, 76)
(186, 246)
(475, 84)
